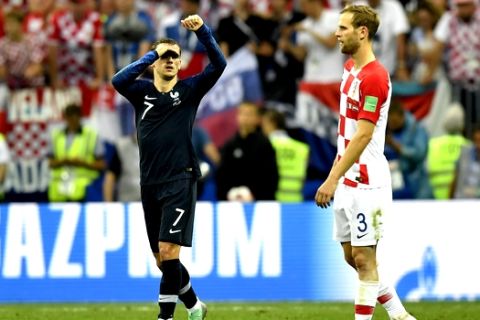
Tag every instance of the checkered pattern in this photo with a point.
(75, 41)
(464, 53)
(28, 140)
(16, 56)
(36, 24)
(371, 169)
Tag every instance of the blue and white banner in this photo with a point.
(239, 82)
(260, 251)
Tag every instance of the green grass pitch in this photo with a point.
(233, 311)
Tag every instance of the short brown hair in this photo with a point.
(72, 110)
(364, 16)
(275, 117)
(170, 41)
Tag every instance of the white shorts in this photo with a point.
(359, 214)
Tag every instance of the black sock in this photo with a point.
(169, 287)
(186, 293)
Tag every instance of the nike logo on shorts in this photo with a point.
(361, 236)
(171, 231)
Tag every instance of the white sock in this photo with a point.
(197, 306)
(366, 299)
(388, 298)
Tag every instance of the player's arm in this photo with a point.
(375, 90)
(297, 50)
(218, 63)
(124, 78)
(357, 145)
(329, 41)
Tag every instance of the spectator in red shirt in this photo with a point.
(20, 55)
(76, 46)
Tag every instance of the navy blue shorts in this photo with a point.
(169, 210)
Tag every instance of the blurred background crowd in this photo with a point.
(267, 131)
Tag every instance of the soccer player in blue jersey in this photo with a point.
(165, 111)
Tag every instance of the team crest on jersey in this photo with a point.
(175, 96)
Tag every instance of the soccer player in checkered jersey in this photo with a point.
(359, 180)
(165, 112)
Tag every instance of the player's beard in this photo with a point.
(350, 47)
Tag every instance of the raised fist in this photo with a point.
(193, 22)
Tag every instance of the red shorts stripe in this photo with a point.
(364, 310)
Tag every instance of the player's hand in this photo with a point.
(161, 50)
(325, 193)
(192, 23)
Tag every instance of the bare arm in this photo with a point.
(402, 71)
(52, 65)
(101, 64)
(299, 52)
(109, 186)
(212, 153)
(357, 145)
(110, 68)
(359, 142)
(33, 70)
(98, 164)
(224, 47)
(329, 41)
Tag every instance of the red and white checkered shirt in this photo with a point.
(17, 56)
(35, 24)
(365, 94)
(75, 41)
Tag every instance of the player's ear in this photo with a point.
(363, 33)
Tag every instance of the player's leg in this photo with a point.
(366, 229)
(344, 208)
(164, 252)
(387, 296)
(177, 227)
(169, 263)
(360, 258)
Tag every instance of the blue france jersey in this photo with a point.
(165, 119)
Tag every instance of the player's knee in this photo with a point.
(168, 251)
(363, 261)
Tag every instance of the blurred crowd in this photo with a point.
(423, 43)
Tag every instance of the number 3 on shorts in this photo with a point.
(362, 224)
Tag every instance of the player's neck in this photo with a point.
(165, 85)
(363, 56)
